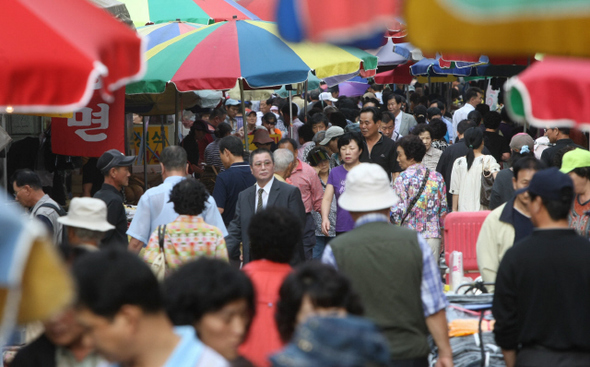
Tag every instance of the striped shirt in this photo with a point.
(212, 156)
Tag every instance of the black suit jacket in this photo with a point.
(281, 195)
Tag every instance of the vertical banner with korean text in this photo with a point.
(92, 130)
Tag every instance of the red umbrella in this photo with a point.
(400, 75)
(53, 52)
(551, 93)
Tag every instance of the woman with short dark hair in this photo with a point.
(350, 146)
(314, 289)
(188, 236)
(319, 159)
(432, 155)
(422, 193)
(214, 298)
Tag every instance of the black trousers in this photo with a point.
(542, 357)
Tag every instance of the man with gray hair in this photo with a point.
(154, 208)
(284, 164)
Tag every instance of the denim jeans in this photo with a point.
(320, 244)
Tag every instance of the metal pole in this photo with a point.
(177, 122)
(145, 136)
(4, 160)
(291, 115)
(244, 124)
(305, 101)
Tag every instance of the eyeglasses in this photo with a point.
(265, 163)
(15, 194)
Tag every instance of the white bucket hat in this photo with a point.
(87, 213)
(367, 188)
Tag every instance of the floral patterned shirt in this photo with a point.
(187, 238)
(579, 219)
(427, 217)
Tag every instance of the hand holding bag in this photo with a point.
(159, 264)
(487, 182)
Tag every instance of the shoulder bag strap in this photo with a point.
(415, 199)
(161, 238)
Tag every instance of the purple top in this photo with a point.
(337, 178)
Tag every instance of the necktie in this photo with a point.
(259, 205)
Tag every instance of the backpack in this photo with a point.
(61, 212)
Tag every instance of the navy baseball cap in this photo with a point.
(113, 158)
(548, 184)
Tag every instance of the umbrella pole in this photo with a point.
(291, 114)
(4, 165)
(177, 125)
(145, 154)
(305, 101)
(244, 125)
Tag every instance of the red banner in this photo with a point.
(94, 129)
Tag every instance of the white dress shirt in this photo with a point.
(460, 115)
(265, 194)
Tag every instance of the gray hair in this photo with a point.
(87, 234)
(174, 158)
(283, 158)
(188, 115)
(319, 136)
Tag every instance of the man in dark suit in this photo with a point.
(267, 192)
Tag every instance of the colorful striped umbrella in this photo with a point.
(500, 27)
(143, 12)
(218, 55)
(163, 32)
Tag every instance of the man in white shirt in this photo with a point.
(473, 97)
(154, 208)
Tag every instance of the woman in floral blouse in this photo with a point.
(188, 237)
(427, 214)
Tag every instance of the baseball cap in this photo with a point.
(327, 96)
(369, 95)
(367, 189)
(232, 102)
(113, 158)
(577, 158)
(548, 184)
(331, 133)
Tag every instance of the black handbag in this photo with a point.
(487, 182)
